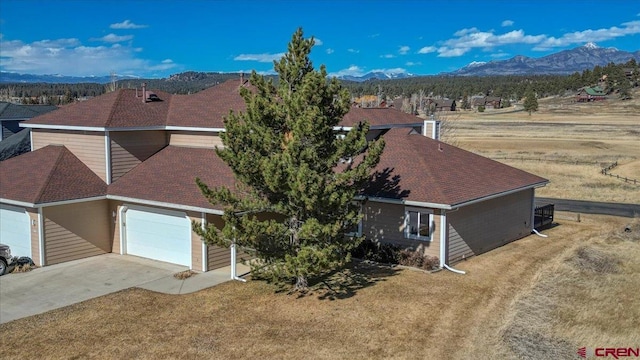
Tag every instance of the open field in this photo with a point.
(534, 298)
(566, 142)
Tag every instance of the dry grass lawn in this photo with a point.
(533, 298)
(565, 142)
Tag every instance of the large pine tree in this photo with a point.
(297, 178)
(530, 101)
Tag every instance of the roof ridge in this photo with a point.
(112, 110)
(50, 174)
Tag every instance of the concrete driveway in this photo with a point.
(55, 286)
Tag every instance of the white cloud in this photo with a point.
(393, 70)
(265, 57)
(464, 32)
(449, 52)
(354, 51)
(412, 63)
(71, 57)
(403, 50)
(330, 51)
(589, 35)
(387, 56)
(507, 23)
(113, 38)
(468, 39)
(352, 70)
(317, 42)
(127, 24)
(427, 50)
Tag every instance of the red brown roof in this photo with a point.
(378, 116)
(169, 177)
(49, 174)
(416, 168)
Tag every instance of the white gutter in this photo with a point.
(63, 127)
(41, 237)
(107, 154)
(497, 195)
(186, 128)
(17, 203)
(73, 201)
(203, 220)
(122, 225)
(132, 128)
(165, 204)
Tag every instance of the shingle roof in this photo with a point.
(47, 175)
(9, 111)
(416, 168)
(169, 177)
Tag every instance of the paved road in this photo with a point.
(592, 207)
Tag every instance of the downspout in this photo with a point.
(533, 214)
(41, 236)
(443, 243)
(205, 259)
(121, 214)
(234, 275)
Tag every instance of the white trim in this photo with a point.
(342, 128)
(504, 193)
(17, 203)
(73, 201)
(107, 154)
(122, 224)
(419, 211)
(41, 237)
(205, 259)
(64, 127)
(31, 139)
(443, 237)
(186, 128)
(164, 204)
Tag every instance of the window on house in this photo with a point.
(355, 230)
(418, 224)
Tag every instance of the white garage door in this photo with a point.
(14, 230)
(158, 234)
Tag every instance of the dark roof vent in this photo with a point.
(152, 96)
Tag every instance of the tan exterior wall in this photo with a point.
(217, 257)
(88, 146)
(76, 231)
(34, 225)
(385, 223)
(195, 139)
(196, 243)
(484, 226)
(130, 148)
(114, 225)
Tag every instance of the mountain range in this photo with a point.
(561, 63)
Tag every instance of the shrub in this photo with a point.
(417, 259)
(375, 251)
(480, 108)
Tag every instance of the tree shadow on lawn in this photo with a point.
(346, 282)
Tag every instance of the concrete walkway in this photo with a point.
(56, 286)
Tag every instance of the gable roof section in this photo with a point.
(48, 175)
(169, 177)
(378, 117)
(118, 109)
(417, 168)
(206, 108)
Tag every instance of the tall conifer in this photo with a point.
(297, 178)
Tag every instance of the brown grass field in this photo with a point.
(536, 298)
(565, 142)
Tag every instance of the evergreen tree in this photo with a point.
(291, 164)
(530, 101)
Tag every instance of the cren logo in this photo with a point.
(582, 352)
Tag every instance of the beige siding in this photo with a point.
(195, 139)
(76, 231)
(385, 223)
(114, 225)
(88, 146)
(196, 243)
(217, 257)
(130, 148)
(34, 224)
(487, 225)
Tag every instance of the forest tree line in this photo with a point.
(614, 77)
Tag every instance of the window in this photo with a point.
(355, 230)
(418, 224)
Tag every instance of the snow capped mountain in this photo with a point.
(378, 75)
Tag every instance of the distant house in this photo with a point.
(488, 102)
(11, 115)
(442, 104)
(587, 94)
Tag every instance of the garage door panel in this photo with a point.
(164, 236)
(15, 230)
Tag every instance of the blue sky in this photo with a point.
(156, 38)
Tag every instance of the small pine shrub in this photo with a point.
(415, 258)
